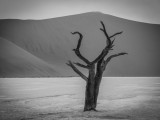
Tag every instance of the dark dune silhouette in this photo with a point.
(46, 45)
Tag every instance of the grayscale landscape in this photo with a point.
(120, 98)
(37, 84)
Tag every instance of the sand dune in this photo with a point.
(16, 62)
(51, 41)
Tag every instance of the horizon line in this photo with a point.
(98, 12)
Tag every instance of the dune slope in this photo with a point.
(16, 62)
(51, 41)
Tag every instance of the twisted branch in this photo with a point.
(77, 52)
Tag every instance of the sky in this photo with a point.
(137, 10)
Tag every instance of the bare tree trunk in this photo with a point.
(96, 89)
(92, 91)
(92, 87)
(89, 94)
(98, 78)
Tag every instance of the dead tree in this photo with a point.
(95, 68)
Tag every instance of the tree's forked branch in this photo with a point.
(77, 71)
(77, 52)
(109, 44)
(105, 62)
(103, 54)
(108, 41)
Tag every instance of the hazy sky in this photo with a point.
(139, 10)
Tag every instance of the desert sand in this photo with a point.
(63, 99)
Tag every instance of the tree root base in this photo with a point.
(92, 109)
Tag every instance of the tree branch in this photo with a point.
(77, 71)
(105, 62)
(118, 33)
(81, 65)
(109, 44)
(102, 55)
(80, 39)
(106, 34)
(77, 52)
